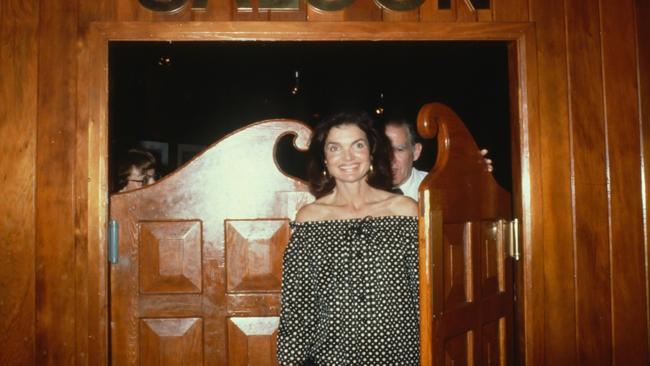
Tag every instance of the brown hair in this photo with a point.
(380, 153)
(141, 160)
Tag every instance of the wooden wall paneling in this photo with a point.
(559, 288)
(485, 15)
(465, 11)
(400, 16)
(254, 13)
(363, 10)
(218, 10)
(643, 70)
(290, 15)
(130, 10)
(18, 111)
(55, 223)
(527, 202)
(629, 323)
(512, 10)
(270, 15)
(429, 12)
(591, 219)
(316, 15)
(181, 15)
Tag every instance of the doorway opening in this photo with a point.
(174, 99)
(517, 38)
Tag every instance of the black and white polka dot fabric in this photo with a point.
(350, 293)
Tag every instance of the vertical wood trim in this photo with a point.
(559, 301)
(95, 68)
(590, 206)
(55, 223)
(91, 319)
(629, 332)
(643, 83)
(18, 113)
(528, 205)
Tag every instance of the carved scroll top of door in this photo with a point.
(460, 171)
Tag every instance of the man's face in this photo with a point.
(404, 154)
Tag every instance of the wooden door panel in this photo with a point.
(170, 257)
(493, 343)
(473, 324)
(254, 250)
(457, 350)
(206, 244)
(252, 341)
(171, 341)
(457, 265)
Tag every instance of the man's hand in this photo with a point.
(487, 161)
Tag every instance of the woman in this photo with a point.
(350, 278)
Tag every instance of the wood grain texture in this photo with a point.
(559, 289)
(400, 16)
(191, 247)
(363, 10)
(527, 202)
(475, 286)
(591, 231)
(91, 319)
(18, 109)
(510, 10)
(55, 215)
(429, 12)
(643, 82)
(629, 296)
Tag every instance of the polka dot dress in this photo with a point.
(350, 293)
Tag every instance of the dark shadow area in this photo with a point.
(175, 99)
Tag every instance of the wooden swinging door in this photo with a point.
(197, 277)
(466, 273)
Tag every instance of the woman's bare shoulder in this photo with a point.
(314, 211)
(403, 206)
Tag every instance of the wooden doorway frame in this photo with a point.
(91, 171)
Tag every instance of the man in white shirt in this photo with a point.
(406, 150)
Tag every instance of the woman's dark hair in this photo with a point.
(141, 160)
(380, 153)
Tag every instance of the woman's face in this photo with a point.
(347, 153)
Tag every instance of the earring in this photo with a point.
(372, 170)
(324, 172)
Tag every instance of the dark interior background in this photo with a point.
(176, 98)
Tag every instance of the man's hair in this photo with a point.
(141, 160)
(413, 136)
(378, 144)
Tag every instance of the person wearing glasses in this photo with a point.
(136, 170)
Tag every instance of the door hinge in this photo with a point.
(515, 250)
(113, 241)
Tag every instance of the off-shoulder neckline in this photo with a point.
(353, 220)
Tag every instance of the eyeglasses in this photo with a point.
(146, 179)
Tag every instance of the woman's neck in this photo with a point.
(355, 195)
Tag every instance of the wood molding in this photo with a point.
(95, 131)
